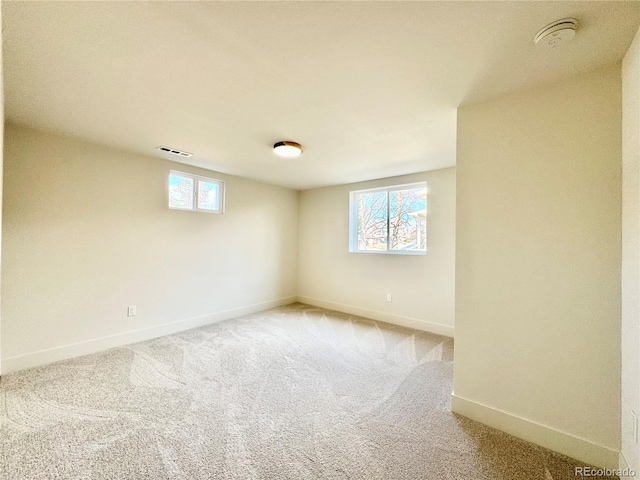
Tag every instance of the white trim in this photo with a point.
(43, 357)
(416, 323)
(391, 252)
(392, 188)
(570, 445)
(622, 462)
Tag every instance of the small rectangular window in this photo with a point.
(208, 195)
(389, 220)
(181, 190)
(195, 193)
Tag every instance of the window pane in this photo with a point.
(372, 221)
(408, 219)
(208, 195)
(181, 192)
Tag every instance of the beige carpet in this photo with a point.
(292, 393)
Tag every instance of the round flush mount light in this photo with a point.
(287, 149)
(556, 33)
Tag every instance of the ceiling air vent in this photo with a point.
(180, 153)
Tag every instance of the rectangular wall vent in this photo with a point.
(173, 151)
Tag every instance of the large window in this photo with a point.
(389, 220)
(195, 193)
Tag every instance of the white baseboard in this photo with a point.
(43, 357)
(561, 442)
(416, 323)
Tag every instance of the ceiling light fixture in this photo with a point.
(557, 32)
(287, 149)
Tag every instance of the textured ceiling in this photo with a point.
(369, 88)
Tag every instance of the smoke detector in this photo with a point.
(556, 33)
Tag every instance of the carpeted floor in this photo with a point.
(292, 393)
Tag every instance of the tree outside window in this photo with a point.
(389, 220)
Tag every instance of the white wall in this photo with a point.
(87, 232)
(630, 252)
(422, 287)
(538, 251)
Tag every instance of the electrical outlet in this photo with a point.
(634, 425)
(131, 311)
(388, 297)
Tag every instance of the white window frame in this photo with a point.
(221, 189)
(353, 220)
